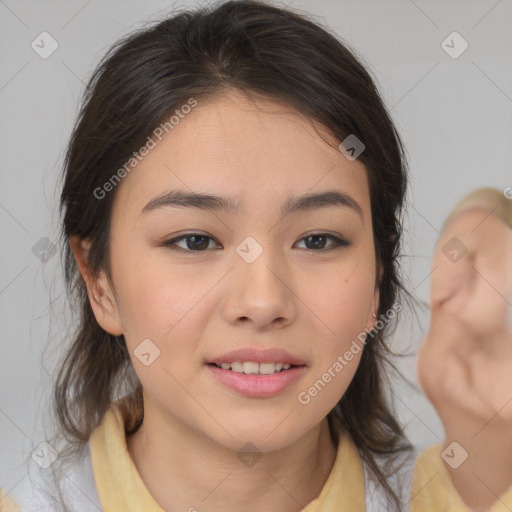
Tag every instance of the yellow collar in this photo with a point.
(120, 486)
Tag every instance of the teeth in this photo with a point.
(237, 366)
(267, 368)
(252, 368)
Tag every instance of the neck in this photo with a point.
(185, 470)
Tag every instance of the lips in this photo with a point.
(257, 386)
(258, 355)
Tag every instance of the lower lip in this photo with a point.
(257, 386)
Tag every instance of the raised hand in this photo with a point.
(465, 362)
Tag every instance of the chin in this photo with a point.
(263, 437)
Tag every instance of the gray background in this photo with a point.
(455, 117)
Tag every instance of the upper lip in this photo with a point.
(258, 355)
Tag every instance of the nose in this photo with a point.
(261, 293)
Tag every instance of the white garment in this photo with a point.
(37, 492)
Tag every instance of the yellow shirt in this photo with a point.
(121, 489)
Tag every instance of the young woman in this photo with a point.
(232, 207)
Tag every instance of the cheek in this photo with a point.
(156, 295)
(166, 308)
(344, 306)
(344, 298)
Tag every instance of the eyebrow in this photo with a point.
(182, 199)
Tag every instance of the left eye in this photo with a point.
(196, 242)
(312, 239)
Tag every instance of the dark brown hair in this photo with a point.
(260, 50)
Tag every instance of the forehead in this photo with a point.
(257, 151)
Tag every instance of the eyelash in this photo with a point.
(171, 244)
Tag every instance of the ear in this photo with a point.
(374, 309)
(372, 320)
(99, 289)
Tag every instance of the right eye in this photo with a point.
(194, 242)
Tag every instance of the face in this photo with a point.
(253, 279)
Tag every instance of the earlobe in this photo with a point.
(104, 305)
(99, 289)
(372, 320)
(374, 309)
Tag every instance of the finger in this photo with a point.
(473, 261)
(451, 268)
(487, 303)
